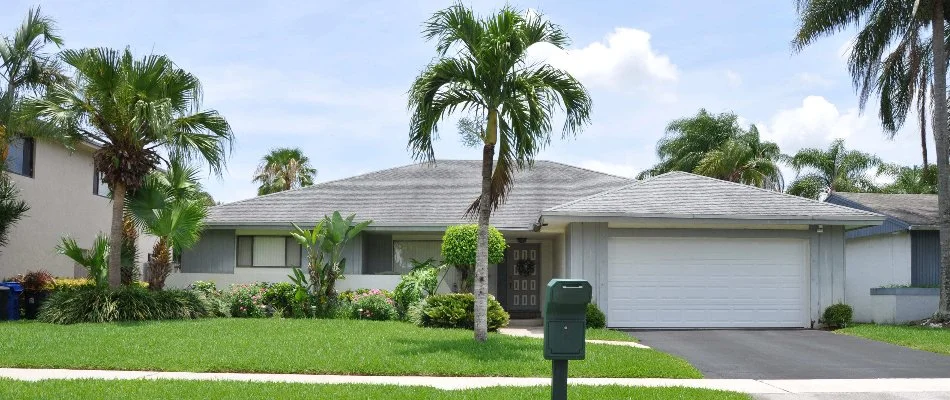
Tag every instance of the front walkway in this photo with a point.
(537, 332)
(751, 386)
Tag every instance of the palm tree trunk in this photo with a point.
(115, 235)
(484, 213)
(160, 265)
(923, 133)
(943, 151)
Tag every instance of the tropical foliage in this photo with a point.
(421, 282)
(481, 70)
(169, 205)
(835, 169)
(93, 259)
(900, 48)
(324, 246)
(284, 169)
(138, 112)
(12, 209)
(910, 180)
(717, 146)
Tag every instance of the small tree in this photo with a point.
(459, 245)
(324, 244)
(94, 260)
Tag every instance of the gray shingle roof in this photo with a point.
(420, 195)
(913, 209)
(685, 195)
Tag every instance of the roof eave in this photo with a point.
(395, 227)
(850, 221)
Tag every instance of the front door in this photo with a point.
(523, 273)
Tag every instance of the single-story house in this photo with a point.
(675, 250)
(903, 251)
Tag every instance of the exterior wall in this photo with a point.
(925, 258)
(61, 203)
(875, 261)
(251, 275)
(902, 305)
(586, 254)
(216, 253)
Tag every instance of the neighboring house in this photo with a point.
(903, 251)
(66, 197)
(676, 250)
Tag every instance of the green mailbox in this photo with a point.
(565, 319)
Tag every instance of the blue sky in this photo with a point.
(331, 77)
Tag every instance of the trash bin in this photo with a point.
(4, 294)
(13, 300)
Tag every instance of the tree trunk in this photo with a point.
(160, 265)
(943, 151)
(484, 213)
(923, 133)
(115, 235)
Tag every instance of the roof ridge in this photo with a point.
(634, 183)
(588, 169)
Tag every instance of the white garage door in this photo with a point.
(706, 283)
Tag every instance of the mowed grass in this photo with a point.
(201, 390)
(935, 340)
(609, 334)
(311, 347)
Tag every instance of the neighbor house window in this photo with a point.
(267, 251)
(99, 186)
(404, 251)
(20, 157)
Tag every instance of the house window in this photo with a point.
(404, 251)
(20, 157)
(99, 186)
(268, 251)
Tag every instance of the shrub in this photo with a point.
(280, 297)
(38, 280)
(71, 283)
(837, 316)
(421, 282)
(459, 247)
(457, 310)
(350, 296)
(247, 301)
(375, 306)
(128, 303)
(595, 317)
(213, 298)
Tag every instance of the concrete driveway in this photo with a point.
(794, 354)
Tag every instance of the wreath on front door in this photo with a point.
(525, 267)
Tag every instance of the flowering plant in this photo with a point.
(374, 304)
(247, 301)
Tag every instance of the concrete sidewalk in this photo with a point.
(936, 386)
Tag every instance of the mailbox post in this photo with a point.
(565, 322)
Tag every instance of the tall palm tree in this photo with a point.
(481, 70)
(170, 206)
(136, 111)
(911, 180)
(284, 169)
(835, 169)
(716, 145)
(885, 26)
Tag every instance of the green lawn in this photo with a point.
(936, 340)
(200, 390)
(309, 346)
(610, 334)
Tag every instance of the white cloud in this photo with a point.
(808, 79)
(814, 124)
(625, 170)
(734, 79)
(624, 60)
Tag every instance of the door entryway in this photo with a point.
(521, 279)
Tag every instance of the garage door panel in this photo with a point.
(699, 282)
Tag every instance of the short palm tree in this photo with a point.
(905, 28)
(94, 259)
(835, 169)
(169, 205)
(745, 159)
(136, 111)
(284, 169)
(481, 71)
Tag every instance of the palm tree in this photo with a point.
(136, 111)
(715, 145)
(901, 27)
(481, 70)
(169, 205)
(835, 169)
(26, 68)
(284, 169)
(911, 180)
(12, 209)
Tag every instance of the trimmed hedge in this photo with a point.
(595, 317)
(837, 316)
(457, 310)
(128, 303)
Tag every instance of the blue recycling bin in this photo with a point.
(13, 299)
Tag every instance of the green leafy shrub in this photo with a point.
(214, 299)
(350, 296)
(128, 303)
(374, 305)
(38, 280)
(457, 310)
(459, 248)
(595, 317)
(247, 301)
(281, 298)
(423, 281)
(837, 316)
